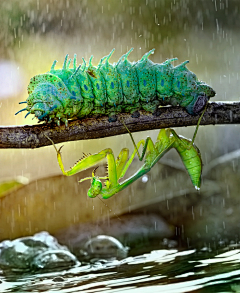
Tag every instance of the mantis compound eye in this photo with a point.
(96, 188)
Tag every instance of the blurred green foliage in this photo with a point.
(8, 186)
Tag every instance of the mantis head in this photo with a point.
(96, 187)
(96, 184)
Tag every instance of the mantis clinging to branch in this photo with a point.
(167, 139)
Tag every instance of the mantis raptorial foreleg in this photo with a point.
(86, 162)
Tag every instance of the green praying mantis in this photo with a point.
(151, 154)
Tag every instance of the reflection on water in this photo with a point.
(157, 271)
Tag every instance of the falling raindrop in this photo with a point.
(145, 179)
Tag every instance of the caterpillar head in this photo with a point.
(46, 97)
(195, 92)
(50, 99)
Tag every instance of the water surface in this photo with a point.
(157, 271)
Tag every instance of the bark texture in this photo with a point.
(33, 136)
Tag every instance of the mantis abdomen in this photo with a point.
(191, 159)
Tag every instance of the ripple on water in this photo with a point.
(157, 271)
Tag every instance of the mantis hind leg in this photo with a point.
(148, 145)
(198, 124)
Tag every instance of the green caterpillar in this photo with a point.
(108, 89)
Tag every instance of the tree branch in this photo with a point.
(32, 136)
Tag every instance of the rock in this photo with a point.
(54, 259)
(39, 251)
